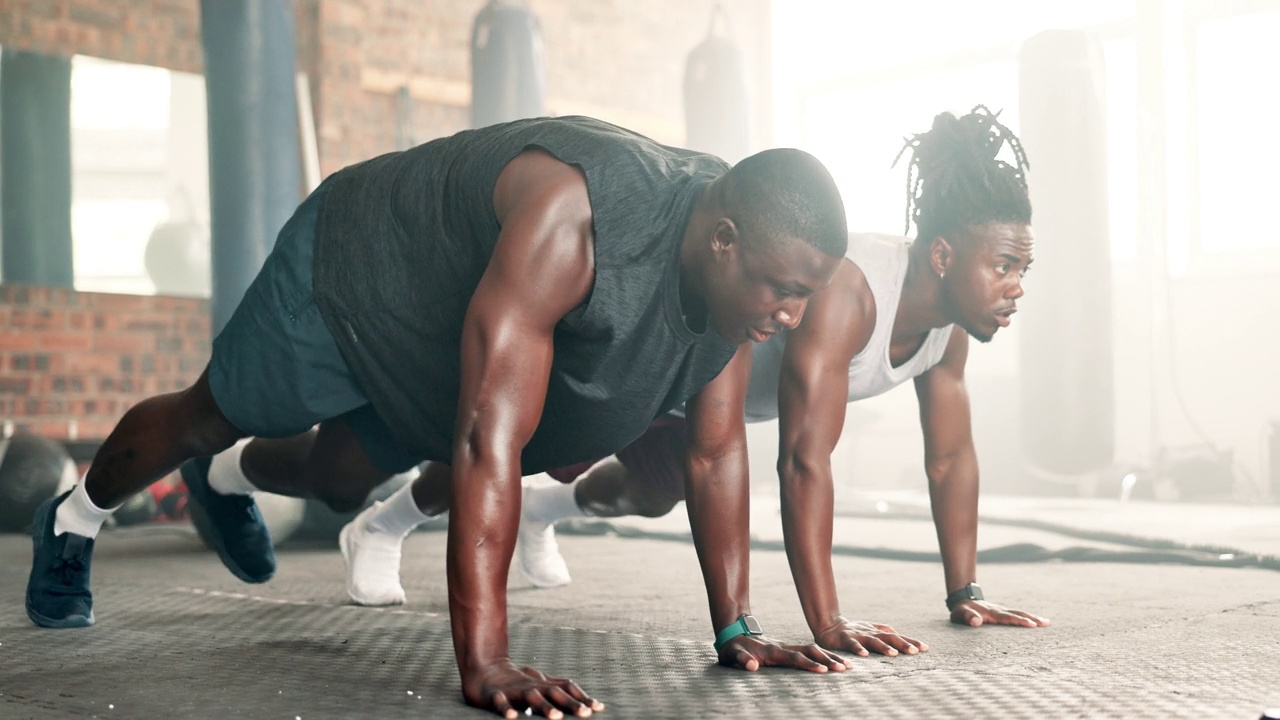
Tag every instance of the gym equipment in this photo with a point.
(717, 112)
(254, 170)
(508, 73)
(35, 145)
(1067, 398)
(32, 470)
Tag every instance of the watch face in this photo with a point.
(753, 626)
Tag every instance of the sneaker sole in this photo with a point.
(74, 621)
(196, 507)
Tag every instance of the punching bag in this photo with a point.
(717, 112)
(35, 168)
(1067, 395)
(508, 75)
(255, 170)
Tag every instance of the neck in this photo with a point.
(920, 309)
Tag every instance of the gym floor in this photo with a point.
(179, 637)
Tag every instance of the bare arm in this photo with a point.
(812, 392)
(542, 267)
(716, 489)
(950, 461)
(717, 494)
(951, 464)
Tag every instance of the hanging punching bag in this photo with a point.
(508, 75)
(1068, 405)
(35, 165)
(717, 112)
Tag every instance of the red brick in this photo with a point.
(122, 343)
(65, 341)
(14, 340)
(98, 363)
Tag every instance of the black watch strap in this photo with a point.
(968, 592)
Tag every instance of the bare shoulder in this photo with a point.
(546, 246)
(536, 177)
(843, 315)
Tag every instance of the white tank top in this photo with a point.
(883, 260)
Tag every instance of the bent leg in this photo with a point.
(328, 464)
(153, 438)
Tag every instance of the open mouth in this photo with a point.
(1004, 317)
(757, 336)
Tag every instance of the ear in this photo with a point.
(725, 236)
(940, 255)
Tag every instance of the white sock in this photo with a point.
(553, 503)
(398, 515)
(225, 474)
(78, 515)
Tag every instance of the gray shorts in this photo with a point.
(276, 371)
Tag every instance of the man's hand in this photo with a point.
(750, 652)
(976, 613)
(860, 637)
(508, 690)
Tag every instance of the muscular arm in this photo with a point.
(812, 396)
(717, 489)
(950, 461)
(542, 267)
(952, 466)
(717, 495)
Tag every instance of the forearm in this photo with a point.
(807, 500)
(718, 501)
(483, 521)
(953, 493)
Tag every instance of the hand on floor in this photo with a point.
(863, 638)
(975, 613)
(752, 652)
(508, 691)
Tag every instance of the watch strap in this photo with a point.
(969, 592)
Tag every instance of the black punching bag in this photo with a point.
(1068, 405)
(717, 112)
(35, 168)
(508, 75)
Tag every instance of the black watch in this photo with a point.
(968, 592)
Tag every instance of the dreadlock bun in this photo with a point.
(955, 177)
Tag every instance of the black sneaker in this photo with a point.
(58, 590)
(232, 524)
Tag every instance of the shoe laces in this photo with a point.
(69, 566)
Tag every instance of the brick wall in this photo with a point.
(620, 61)
(84, 358)
(71, 363)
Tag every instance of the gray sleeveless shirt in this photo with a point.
(404, 239)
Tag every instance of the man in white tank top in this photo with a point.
(896, 310)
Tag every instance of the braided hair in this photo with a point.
(955, 179)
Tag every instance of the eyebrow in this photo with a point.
(1015, 258)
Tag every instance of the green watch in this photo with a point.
(968, 592)
(744, 625)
